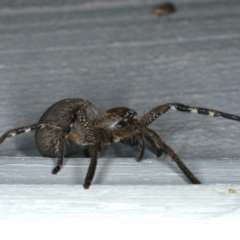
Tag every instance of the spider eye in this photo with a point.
(129, 117)
(117, 118)
(125, 117)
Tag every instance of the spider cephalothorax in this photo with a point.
(70, 123)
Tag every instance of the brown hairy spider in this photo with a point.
(73, 122)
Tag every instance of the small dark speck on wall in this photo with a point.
(164, 9)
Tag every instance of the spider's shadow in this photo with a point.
(102, 172)
(26, 146)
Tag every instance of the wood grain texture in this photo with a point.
(122, 189)
(117, 171)
(122, 202)
(116, 53)
(119, 54)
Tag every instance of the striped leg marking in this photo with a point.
(150, 116)
(205, 111)
(16, 131)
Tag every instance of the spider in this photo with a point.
(74, 122)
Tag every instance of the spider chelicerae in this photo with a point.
(73, 122)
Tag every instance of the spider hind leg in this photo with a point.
(25, 129)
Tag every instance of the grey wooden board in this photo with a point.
(125, 212)
(116, 53)
(127, 199)
(118, 171)
(154, 203)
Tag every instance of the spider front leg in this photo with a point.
(174, 157)
(169, 152)
(160, 145)
(153, 114)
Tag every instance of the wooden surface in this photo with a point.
(117, 171)
(151, 198)
(116, 53)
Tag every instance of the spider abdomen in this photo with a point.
(47, 139)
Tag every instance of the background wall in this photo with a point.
(116, 53)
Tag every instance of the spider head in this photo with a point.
(116, 118)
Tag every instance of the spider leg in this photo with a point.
(80, 139)
(150, 116)
(86, 124)
(174, 157)
(142, 147)
(92, 137)
(132, 142)
(169, 152)
(159, 151)
(148, 133)
(62, 140)
(25, 129)
(93, 164)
